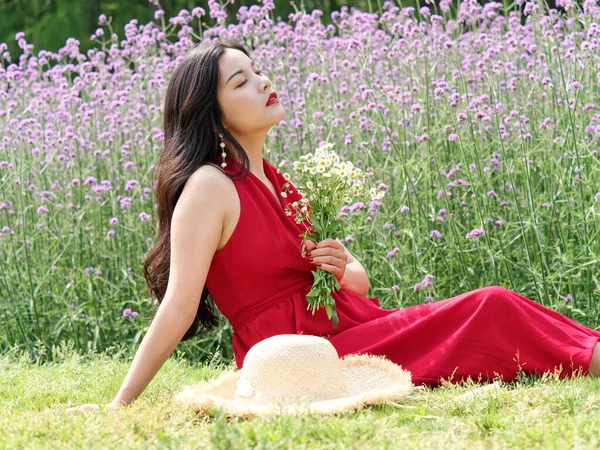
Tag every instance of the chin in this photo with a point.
(283, 112)
(279, 117)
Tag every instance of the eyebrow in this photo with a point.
(239, 71)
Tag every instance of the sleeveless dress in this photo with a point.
(259, 281)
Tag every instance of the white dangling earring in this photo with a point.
(223, 153)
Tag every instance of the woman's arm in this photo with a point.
(355, 277)
(163, 335)
(196, 231)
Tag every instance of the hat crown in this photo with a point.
(292, 367)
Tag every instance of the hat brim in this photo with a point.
(371, 380)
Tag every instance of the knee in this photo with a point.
(497, 291)
(496, 295)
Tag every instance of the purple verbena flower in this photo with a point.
(393, 252)
(474, 233)
(427, 280)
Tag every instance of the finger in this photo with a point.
(330, 260)
(341, 246)
(326, 243)
(310, 245)
(332, 269)
(90, 407)
(114, 405)
(73, 408)
(329, 251)
(332, 243)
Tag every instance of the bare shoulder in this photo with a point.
(212, 193)
(209, 177)
(210, 186)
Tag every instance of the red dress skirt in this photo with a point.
(259, 282)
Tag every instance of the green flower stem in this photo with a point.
(320, 294)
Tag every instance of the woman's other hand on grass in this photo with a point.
(95, 407)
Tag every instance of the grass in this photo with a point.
(532, 412)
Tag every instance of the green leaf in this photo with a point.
(309, 236)
(317, 224)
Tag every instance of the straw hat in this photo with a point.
(295, 373)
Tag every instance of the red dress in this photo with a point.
(259, 281)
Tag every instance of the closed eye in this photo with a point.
(257, 73)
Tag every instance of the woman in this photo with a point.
(223, 230)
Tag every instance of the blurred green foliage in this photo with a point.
(49, 23)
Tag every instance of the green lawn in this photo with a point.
(534, 412)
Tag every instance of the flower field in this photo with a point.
(480, 123)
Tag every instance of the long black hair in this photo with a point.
(192, 121)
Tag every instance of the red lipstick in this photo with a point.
(272, 98)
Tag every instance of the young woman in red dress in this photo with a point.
(223, 230)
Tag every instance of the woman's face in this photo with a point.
(243, 94)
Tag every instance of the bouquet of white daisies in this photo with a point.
(327, 184)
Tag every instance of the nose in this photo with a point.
(266, 84)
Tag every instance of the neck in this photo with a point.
(253, 146)
(256, 166)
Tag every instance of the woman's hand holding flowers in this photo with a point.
(330, 255)
(326, 184)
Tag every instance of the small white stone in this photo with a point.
(223, 165)
(222, 144)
